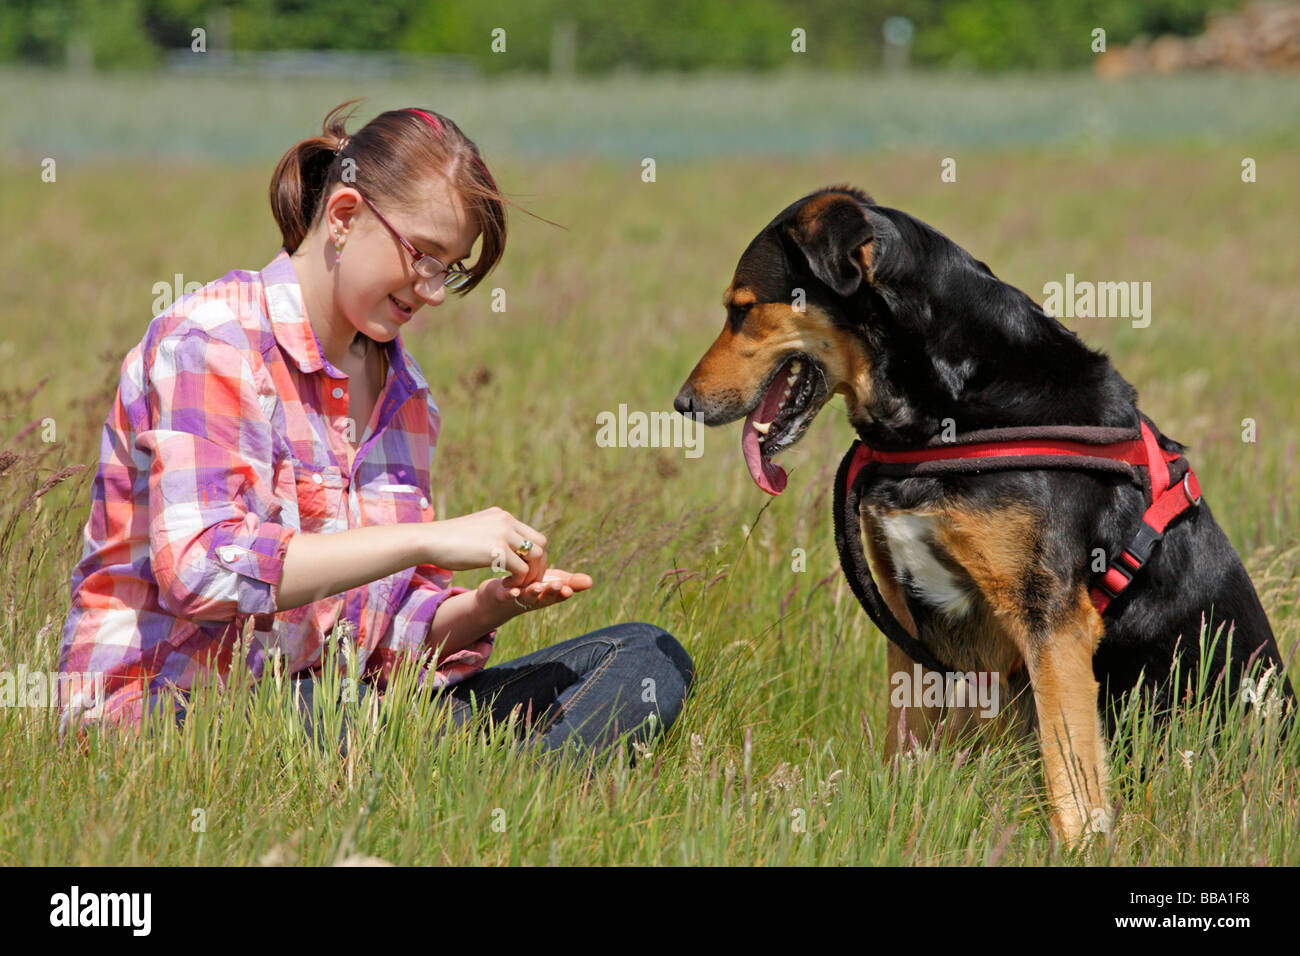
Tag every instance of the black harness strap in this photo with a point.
(848, 541)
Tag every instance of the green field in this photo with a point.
(777, 756)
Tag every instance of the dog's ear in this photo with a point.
(831, 230)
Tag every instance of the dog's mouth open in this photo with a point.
(794, 393)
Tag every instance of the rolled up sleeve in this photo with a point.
(216, 549)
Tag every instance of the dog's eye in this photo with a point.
(736, 315)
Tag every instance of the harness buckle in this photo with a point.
(1187, 490)
(1129, 561)
(1139, 549)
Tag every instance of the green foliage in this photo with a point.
(1047, 34)
(671, 35)
(114, 31)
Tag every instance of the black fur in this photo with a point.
(949, 340)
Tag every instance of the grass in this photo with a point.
(776, 758)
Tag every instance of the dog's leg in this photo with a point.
(909, 719)
(1056, 636)
(1069, 729)
(905, 721)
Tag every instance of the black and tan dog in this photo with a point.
(992, 571)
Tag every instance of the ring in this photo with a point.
(524, 548)
(523, 606)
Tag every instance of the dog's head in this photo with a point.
(838, 295)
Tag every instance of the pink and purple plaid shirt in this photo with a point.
(228, 435)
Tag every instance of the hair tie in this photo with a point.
(343, 142)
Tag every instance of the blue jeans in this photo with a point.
(625, 680)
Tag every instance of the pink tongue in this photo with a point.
(768, 476)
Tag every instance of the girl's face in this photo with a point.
(374, 280)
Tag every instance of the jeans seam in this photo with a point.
(590, 680)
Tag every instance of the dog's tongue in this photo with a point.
(768, 476)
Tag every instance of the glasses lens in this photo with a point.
(455, 280)
(426, 288)
(428, 266)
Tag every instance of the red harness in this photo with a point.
(1071, 447)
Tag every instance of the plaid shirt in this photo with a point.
(226, 438)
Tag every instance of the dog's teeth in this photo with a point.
(794, 376)
(794, 368)
(762, 428)
(785, 396)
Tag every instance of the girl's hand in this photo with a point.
(554, 587)
(485, 539)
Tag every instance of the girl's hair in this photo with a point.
(394, 156)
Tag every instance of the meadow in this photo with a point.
(777, 757)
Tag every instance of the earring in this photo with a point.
(338, 247)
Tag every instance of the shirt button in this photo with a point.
(229, 554)
(424, 502)
(318, 479)
(338, 392)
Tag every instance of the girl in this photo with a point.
(268, 457)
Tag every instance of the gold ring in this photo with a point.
(524, 548)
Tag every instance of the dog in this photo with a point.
(984, 564)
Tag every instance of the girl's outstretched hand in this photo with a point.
(555, 586)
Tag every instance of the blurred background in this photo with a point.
(587, 37)
(221, 80)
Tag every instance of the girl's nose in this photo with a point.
(436, 299)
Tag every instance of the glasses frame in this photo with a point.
(454, 277)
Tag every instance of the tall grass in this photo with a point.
(777, 757)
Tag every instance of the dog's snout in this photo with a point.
(685, 400)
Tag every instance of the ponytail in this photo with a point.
(301, 175)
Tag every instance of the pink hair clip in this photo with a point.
(437, 128)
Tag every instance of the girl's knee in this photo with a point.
(652, 639)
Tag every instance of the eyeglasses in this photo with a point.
(426, 266)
